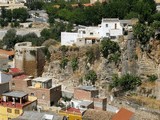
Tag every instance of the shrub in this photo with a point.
(91, 76)
(126, 82)
(109, 47)
(74, 64)
(63, 63)
(152, 78)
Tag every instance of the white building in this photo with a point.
(109, 27)
(68, 38)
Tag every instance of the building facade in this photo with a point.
(30, 59)
(109, 27)
(4, 77)
(11, 4)
(47, 95)
(14, 103)
(86, 97)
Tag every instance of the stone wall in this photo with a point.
(30, 59)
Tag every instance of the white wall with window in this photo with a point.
(110, 27)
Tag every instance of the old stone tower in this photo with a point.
(30, 59)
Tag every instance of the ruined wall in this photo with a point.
(30, 59)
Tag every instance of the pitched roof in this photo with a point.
(123, 114)
(5, 52)
(92, 114)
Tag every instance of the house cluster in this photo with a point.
(12, 4)
(23, 92)
(111, 28)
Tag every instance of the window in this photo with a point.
(13, 84)
(91, 33)
(32, 94)
(9, 110)
(115, 26)
(16, 111)
(107, 34)
(106, 25)
(84, 32)
(113, 37)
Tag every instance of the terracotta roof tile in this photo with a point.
(123, 114)
(5, 52)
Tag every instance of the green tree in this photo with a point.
(3, 12)
(143, 33)
(126, 82)
(36, 5)
(3, 22)
(91, 76)
(109, 47)
(21, 14)
(32, 37)
(46, 33)
(9, 39)
(9, 15)
(74, 63)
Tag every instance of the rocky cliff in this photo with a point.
(133, 60)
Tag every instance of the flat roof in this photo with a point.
(18, 94)
(85, 103)
(110, 19)
(34, 115)
(89, 88)
(41, 79)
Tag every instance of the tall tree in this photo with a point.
(9, 39)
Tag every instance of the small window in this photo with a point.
(84, 32)
(91, 33)
(106, 25)
(9, 110)
(32, 94)
(16, 111)
(115, 26)
(107, 34)
(13, 84)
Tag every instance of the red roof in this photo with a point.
(15, 70)
(5, 52)
(71, 109)
(123, 114)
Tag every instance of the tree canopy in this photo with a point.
(142, 9)
(91, 76)
(126, 82)
(109, 47)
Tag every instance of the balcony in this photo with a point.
(16, 99)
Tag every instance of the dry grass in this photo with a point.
(148, 84)
(149, 102)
